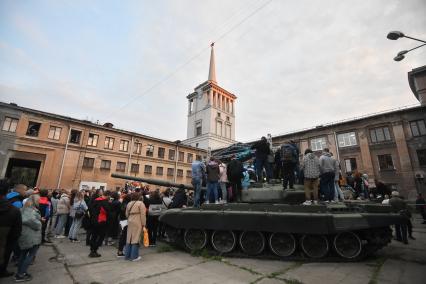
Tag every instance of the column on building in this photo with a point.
(408, 187)
(210, 97)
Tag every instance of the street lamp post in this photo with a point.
(394, 35)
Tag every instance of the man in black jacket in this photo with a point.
(262, 151)
(100, 210)
(10, 229)
(234, 171)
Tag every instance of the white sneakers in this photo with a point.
(307, 202)
(60, 237)
(137, 259)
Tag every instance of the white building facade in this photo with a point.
(211, 114)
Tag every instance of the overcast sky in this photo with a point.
(292, 64)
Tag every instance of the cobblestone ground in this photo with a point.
(64, 262)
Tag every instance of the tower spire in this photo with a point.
(212, 69)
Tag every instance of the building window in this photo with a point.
(150, 151)
(191, 105)
(188, 173)
(172, 154)
(121, 167)
(161, 152)
(198, 128)
(138, 148)
(350, 165)
(219, 128)
(218, 114)
(385, 162)
(124, 145)
(421, 155)
(198, 157)
(189, 158)
(170, 171)
(88, 162)
(10, 124)
(347, 139)
(318, 144)
(380, 134)
(134, 168)
(54, 133)
(181, 156)
(93, 140)
(148, 169)
(33, 128)
(228, 131)
(418, 127)
(180, 173)
(159, 171)
(109, 143)
(105, 165)
(75, 136)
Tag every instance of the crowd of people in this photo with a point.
(32, 217)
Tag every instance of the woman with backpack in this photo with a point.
(123, 224)
(136, 220)
(154, 210)
(77, 212)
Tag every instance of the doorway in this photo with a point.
(23, 171)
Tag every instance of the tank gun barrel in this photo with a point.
(153, 181)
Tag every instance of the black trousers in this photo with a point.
(152, 225)
(236, 190)
(401, 233)
(6, 256)
(98, 236)
(43, 230)
(123, 238)
(288, 174)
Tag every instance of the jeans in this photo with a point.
(262, 162)
(338, 194)
(327, 186)
(131, 252)
(25, 259)
(52, 224)
(75, 226)
(98, 235)
(196, 183)
(62, 220)
(288, 174)
(223, 189)
(211, 186)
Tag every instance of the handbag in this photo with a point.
(79, 213)
(145, 237)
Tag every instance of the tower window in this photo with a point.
(218, 114)
(191, 105)
(198, 128)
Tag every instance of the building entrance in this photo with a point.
(23, 171)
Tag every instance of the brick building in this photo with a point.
(389, 146)
(52, 151)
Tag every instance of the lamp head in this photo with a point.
(399, 57)
(394, 35)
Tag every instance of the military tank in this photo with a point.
(272, 222)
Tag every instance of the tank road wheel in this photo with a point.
(195, 239)
(282, 244)
(252, 243)
(348, 245)
(314, 246)
(223, 241)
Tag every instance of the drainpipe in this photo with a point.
(63, 158)
(130, 157)
(337, 148)
(176, 160)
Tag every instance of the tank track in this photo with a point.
(372, 240)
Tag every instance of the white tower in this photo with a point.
(211, 113)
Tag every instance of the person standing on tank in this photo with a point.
(289, 159)
(328, 170)
(262, 151)
(223, 180)
(235, 172)
(311, 169)
(198, 170)
(212, 179)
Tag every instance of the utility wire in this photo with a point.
(176, 70)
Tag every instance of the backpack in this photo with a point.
(287, 153)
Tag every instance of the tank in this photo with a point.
(272, 222)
